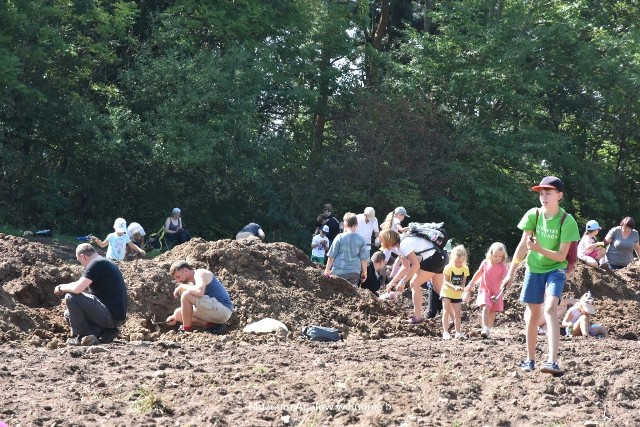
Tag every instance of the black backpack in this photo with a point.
(432, 231)
(321, 333)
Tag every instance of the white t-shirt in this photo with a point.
(317, 251)
(367, 229)
(415, 244)
(395, 224)
(585, 242)
(133, 228)
(117, 245)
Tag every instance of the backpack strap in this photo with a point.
(422, 237)
(564, 216)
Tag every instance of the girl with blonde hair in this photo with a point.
(455, 279)
(490, 275)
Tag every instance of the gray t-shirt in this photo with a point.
(620, 251)
(347, 250)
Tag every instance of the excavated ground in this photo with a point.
(385, 372)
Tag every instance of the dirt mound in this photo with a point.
(246, 380)
(274, 280)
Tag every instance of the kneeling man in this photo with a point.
(204, 302)
(94, 316)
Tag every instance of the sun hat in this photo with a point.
(370, 213)
(593, 225)
(401, 210)
(120, 225)
(550, 183)
(586, 301)
(176, 211)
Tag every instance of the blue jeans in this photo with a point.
(87, 315)
(536, 284)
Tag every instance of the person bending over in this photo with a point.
(204, 302)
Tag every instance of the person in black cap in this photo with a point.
(547, 233)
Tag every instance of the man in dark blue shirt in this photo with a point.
(249, 231)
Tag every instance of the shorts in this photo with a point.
(453, 300)
(435, 263)
(592, 330)
(318, 259)
(593, 254)
(211, 310)
(536, 284)
(246, 235)
(353, 278)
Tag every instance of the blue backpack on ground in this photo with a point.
(321, 333)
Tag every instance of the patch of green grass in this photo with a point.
(260, 370)
(145, 402)
(64, 238)
(7, 229)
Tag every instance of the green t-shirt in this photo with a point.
(549, 236)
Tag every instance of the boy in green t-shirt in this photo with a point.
(547, 239)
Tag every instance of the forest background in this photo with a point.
(264, 110)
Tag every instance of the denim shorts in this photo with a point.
(536, 284)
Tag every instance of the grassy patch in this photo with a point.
(260, 370)
(144, 402)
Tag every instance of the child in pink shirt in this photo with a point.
(589, 249)
(490, 274)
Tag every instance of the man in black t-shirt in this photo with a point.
(94, 316)
(335, 226)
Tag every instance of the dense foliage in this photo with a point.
(264, 110)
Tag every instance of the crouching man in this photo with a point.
(94, 316)
(204, 302)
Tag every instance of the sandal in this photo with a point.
(415, 321)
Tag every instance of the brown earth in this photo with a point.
(385, 372)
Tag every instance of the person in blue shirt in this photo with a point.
(204, 302)
(251, 231)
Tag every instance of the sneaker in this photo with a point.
(485, 332)
(77, 340)
(527, 365)
(108, 335)
(89, 340)
(460, 336)
(446, 335)
(216, 329)
(182, 331)
(552, 368)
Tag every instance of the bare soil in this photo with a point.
(384, 373)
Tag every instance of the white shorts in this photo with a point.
(211, 310)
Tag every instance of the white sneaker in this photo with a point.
(446, 335)
(485, 332)
(460, 336)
